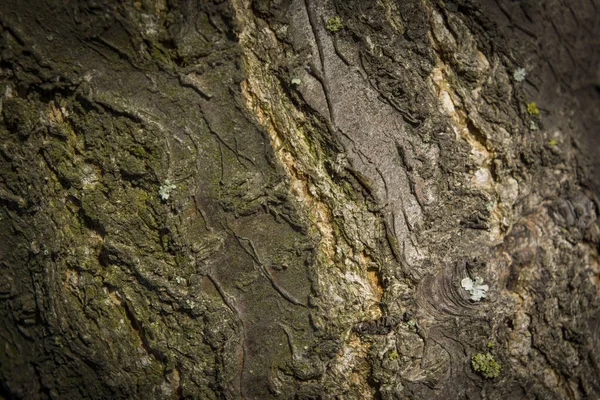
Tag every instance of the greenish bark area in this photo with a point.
(280, 199)
(110, 289)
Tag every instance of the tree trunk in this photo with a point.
(311, 199)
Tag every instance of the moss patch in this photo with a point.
(485, 365)
(532, 108)
(334, 24)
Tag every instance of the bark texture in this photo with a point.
(283, 199)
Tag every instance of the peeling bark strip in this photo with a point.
(346, 291)
(308, 199)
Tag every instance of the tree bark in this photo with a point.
(299, 199)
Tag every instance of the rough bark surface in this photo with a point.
(282, 198)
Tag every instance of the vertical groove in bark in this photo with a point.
(347, 283)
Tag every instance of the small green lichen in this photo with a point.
(490, 344)
(552, 142)
(393, 355)
(485, 365)
(296, 82)
(532, 108)
(334, 24)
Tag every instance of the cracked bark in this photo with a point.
(331, 191)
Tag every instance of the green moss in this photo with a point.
(485, 365)
(532, 108)
(334, 24)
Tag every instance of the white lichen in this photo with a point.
(476, 288)
(165, 190)
(296, 81)
(533, 126)
(519, 74)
